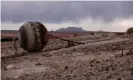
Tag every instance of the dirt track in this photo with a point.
(101, 60)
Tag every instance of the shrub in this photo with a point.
(74, 35)
(130, 30)
(92, 33)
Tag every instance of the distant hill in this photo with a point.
(9, 31)
(70, 29)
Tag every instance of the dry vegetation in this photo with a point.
(130, 30)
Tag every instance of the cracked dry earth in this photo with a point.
(101, 60)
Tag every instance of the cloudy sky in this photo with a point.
(90, 15)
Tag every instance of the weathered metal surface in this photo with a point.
(33, 36)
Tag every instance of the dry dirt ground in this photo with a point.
(100, 58)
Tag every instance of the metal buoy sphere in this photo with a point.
(33, 36)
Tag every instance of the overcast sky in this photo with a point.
(90, 15)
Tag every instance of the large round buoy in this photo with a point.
(33, 36)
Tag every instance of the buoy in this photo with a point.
(33, 36)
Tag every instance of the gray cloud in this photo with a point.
(61, 11)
